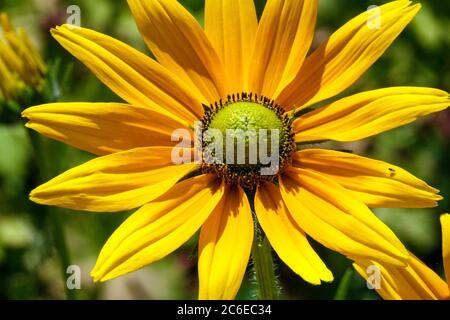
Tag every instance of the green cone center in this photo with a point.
(256, 141)
(252, 123)
(246, 116)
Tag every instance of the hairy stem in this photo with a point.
(264, 268)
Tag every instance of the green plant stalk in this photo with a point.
(62, 250)
(52, 217)
(344, 285)
(264, 269)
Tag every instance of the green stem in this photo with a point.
(52, 216)
(264, 269)
(344, 285)
(62, 250)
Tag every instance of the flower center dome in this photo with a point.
(246, 140)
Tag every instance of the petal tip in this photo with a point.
(314, 282)
(96, 276)
(328, 278)
(59, 30)
(415, 8)
(35, 200)
(54, 30)
(32, 196)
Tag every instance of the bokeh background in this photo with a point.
(33, 251)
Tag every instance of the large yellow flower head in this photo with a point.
(238, 75)
(21, 64)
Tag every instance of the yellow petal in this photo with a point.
(391, 285)
(10, 82)
(445, 224)
(376, 183)
(427, 278)
(231, 27)
(414, 282)
(116, 182)
(329, 214)
(158, 228)
(224, 246)
(284, 37)
(37, 65)
(287, 238)
(180, 44)
(347, 54)
(10, 58)
(132, 75)
(102, 128)
(369, 113)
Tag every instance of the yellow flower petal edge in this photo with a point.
(369, 113)
(159, 228)
(347, 54)
(414, 282)
(287, 238)
(427, 278)
(132, 75)
(387, 287)
(10, 83)
(376, 183)
(445, 224)
(180, 44)
(102, 128)
(330, 215)
(284, 37)
(231, 27)
(225, 244)
(10, 58)
(116, 182)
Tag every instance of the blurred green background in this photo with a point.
(31, 267)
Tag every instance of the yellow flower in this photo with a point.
(20, 63)
(416, 281)
(249, 75)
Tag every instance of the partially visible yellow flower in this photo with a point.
(416, 281)
(21, 64)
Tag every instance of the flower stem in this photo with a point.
(344, 284)
(59, 239)
(41, 163)
(266, 281)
